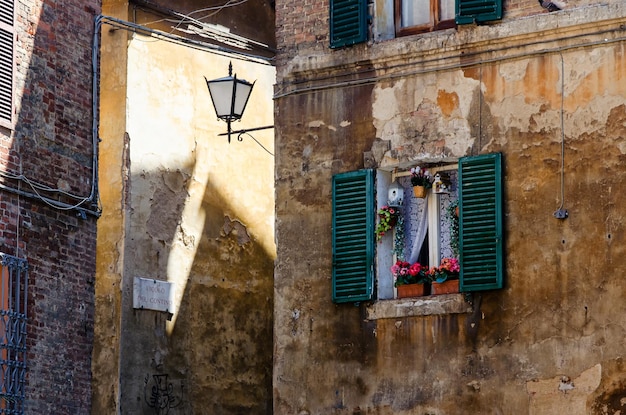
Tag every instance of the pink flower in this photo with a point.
(415, 269)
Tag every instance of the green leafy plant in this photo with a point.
(398, 240)
(387, 218)
(452, 214)
(421, 177)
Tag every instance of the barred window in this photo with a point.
(13, 306)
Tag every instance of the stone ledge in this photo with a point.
(424, 306)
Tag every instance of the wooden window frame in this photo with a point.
(435, 22)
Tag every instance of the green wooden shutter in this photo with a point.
(478, 11)
(348, 22)
(6, 61)
(353, 236)
(480, 223)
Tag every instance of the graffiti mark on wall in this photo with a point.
(159, 394)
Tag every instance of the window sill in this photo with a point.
(419, 306)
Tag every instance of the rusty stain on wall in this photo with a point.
(447, 102)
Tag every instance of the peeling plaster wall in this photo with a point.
(552, 341)
(110, 241)
(186, 207)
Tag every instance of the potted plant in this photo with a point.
(409, 278)
(421, 181)
(445, 278)
(387, 218)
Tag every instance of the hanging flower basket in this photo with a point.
(387, 219)
(421, 181)
(419, 191)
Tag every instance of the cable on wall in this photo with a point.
(561, 213)
(79, 202)
(180, 40)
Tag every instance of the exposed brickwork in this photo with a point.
(304, 25)
(54, 88)
(51, 145)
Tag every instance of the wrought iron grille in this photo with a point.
(13, 295)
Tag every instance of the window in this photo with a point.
(417, 16)
(478, 11)
(6, 63)
(13, 294)
(479, 192)
(348, 22)
(351, 20)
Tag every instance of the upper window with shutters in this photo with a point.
(361, 264)
(7, 36)
(352, 21)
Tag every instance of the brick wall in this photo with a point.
(302, 26)
(49, 153)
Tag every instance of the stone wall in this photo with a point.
(552, 340)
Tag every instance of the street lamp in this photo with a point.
(230, 96)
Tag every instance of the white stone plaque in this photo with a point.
(153, 294)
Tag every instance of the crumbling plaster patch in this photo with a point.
(563, 395)
(526, 95)
(579, 66)
(433, 108)
(592, 117)
(236, 229)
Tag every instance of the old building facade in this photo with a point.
(48, 206)
(371, 87)
(185, 252)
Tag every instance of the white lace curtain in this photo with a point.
(422, 228)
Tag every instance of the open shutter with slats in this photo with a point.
(353, 236)
(348, 22)
(6, 62)
(478, 11)
(480, 222)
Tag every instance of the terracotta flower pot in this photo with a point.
(446, 287)
(410, 290)
(419, 192)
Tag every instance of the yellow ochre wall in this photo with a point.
(182, 205)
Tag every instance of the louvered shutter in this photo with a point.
(348, 22)
(478, 11)
(6, 62)
(353, 236)
(480, 222)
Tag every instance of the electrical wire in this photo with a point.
(218, 9)
(38, 188)
(562, 134)
(191, 43)
(198, 27)
(187, 16)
